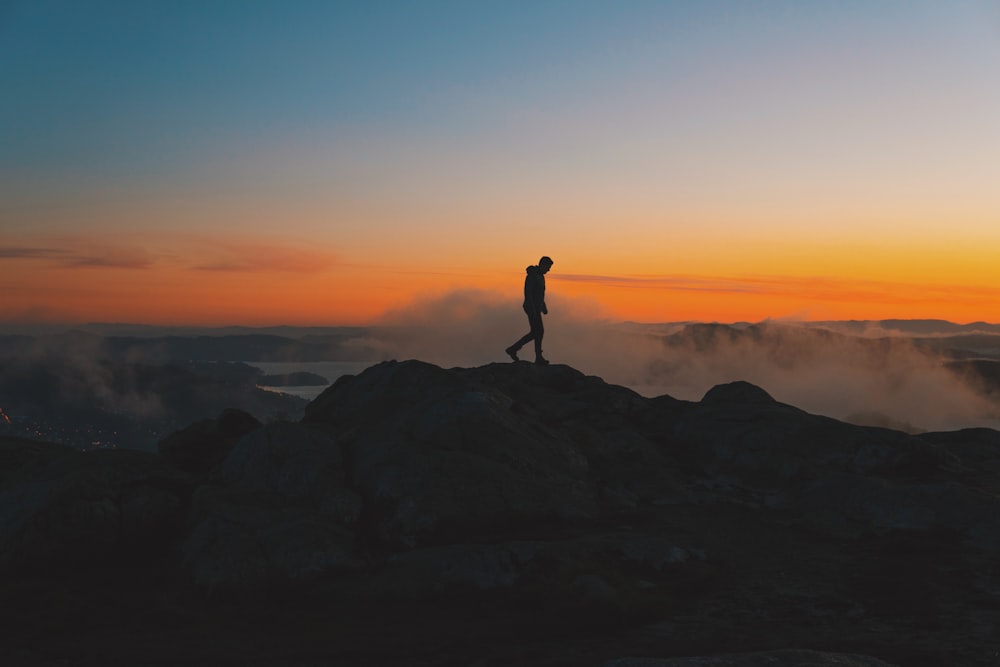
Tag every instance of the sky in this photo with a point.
(320, 163)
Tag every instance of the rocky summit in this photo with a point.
(507, 515)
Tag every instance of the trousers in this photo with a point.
(536, 333)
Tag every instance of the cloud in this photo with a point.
(882, 381)
(112, 257)
(69, 252)
(464, 327)
(253, 256)
(23, 252)
(190, 251)
(75, 370)
(813, 288)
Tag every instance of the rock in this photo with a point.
(763, 659)
(203, 445)
(295, 462)
(769, 445)
(86, 507)
(853, 505)
(240, 545)
(539, 515)
(457, 567)
(737, 392)
(20, 457)
(282, 513)
(654, 551)
(592, 588)
(435, 451)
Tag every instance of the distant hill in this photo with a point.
(908, 327)
(216, 347)
(298, 378)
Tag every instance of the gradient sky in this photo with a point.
(253, 162)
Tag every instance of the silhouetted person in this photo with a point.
(534, 306)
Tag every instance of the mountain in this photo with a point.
(507, 514)
(927, 327)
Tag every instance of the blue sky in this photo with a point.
(128, 86)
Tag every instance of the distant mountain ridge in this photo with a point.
(223, 347)
(303, 344)
(924, 327)
(917, 327)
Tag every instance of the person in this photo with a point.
(534, 306)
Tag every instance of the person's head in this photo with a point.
(545, 263)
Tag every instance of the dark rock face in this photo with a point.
(281, 511)
(59, 507)
(765, 659)
(244, 544)
(204, 444)
(515, 514)
(449, 454)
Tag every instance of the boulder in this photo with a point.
(280, 512)
(68, 508)
(295, 462)
(205, 444)
(246, 544)
(24, 458)
(737, 393)
(435, 451)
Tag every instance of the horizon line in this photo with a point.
(43, 325)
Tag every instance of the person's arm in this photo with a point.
(538, 295)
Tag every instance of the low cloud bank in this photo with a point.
(885, 381)
(73, 371)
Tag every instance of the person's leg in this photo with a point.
(524, 340)
(512, 350)
(537, 333)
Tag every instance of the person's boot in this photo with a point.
(512, 353)
(539, 359)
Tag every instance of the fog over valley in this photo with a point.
(129, 386)
(911, 375)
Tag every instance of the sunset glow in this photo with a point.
(324, 164)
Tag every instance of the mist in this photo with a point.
(75, 369)
(866, 379)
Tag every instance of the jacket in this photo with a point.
(534, 290)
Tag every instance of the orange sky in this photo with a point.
(195, 279)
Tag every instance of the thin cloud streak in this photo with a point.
(272, 257)
(110, 262)
(190, 252)
(22, 252)
(815, 287)
(110, 256)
